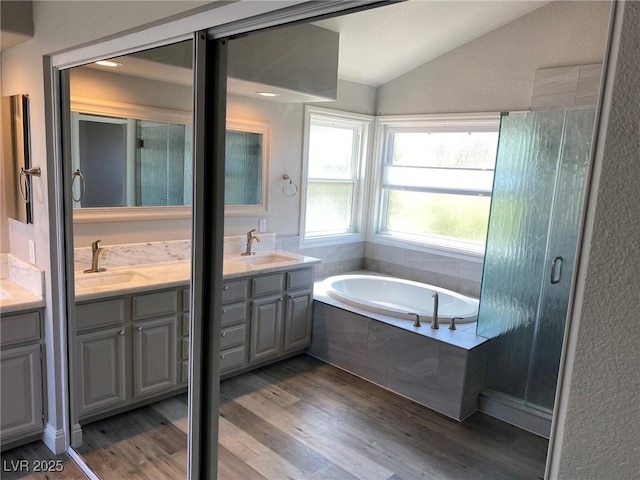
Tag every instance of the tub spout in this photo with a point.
(452, 325)
(434, 319)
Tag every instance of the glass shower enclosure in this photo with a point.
(539, 189)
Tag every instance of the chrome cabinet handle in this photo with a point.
(121, 333)
(226, 287)
(77, 174)
(556, 270)
(224, 310)
(139, 329)
(222, 334)
(222, 356)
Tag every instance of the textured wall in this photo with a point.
(496, 71)
(599, 426)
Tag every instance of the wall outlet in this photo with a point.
(262, 225)
(32, 251)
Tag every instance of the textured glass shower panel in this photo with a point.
(526, 164)
(563, 238)
(160, 169)
(243, 168)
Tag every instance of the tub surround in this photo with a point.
(457, 274)
(441, 369)
(21, 285)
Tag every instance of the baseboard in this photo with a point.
(54, 439)
(76, 435)
(516, 412)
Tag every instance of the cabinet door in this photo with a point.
(154, 356)
(266, 328)
(297, 324)
(21, 381)
(101, 370)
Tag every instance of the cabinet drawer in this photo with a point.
(267, 284)
(232, 336)
(234, 291)
(90, 315)
(232, 358)
(300, 278)
(186, 299)
(186, 323)
(155, 304)
(24, 327)
(185, 348)
(234, 314)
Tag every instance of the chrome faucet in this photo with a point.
(434, 319)
(250, 238)
(96, 251)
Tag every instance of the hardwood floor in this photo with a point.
(35, 461)
(303, 419)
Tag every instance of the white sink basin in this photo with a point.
(265, 259)
(108, 279)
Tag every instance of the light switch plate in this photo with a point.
(262, 225)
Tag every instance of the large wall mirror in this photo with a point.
(134, 159)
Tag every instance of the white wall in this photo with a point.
(599, 424)
(496, 71)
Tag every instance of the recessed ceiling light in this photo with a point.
(268, 94)
(108, 63)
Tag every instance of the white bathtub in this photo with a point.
(400, 298)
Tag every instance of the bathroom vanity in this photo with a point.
(132, 327)
(22, 364)
(22, 352)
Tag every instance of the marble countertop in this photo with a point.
(14, 298)
(155, 276)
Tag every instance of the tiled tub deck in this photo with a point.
(440, 369)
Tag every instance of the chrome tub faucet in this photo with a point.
(434, 319)
(96, 251)
(250, 238)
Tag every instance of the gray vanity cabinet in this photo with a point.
(127, 350)
(101, 369)
(297, 322)
(234, 328)
(265, 318)
(21, 382)
(154, 356)
(155, 347)
(266, 328)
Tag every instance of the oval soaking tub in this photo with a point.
(400, 298)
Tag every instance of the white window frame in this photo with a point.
(385, 125)
(363, 124)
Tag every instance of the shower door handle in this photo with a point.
(556, 270)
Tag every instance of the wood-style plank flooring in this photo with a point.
(304, 419)
(29, 461)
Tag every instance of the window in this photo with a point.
(333, 177)
(435, 180)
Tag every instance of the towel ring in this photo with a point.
(291, 182)
(77, 174)
(26, 192)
